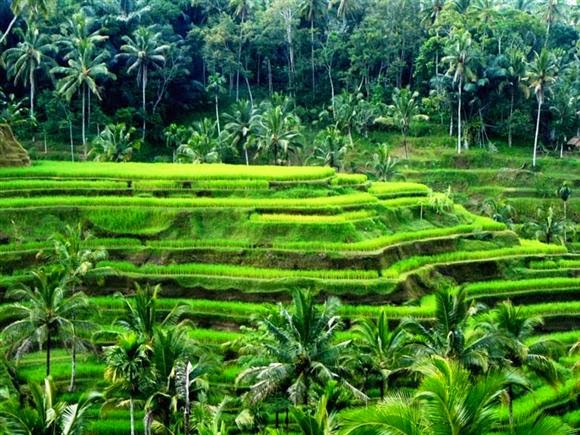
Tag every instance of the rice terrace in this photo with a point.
(290, 217)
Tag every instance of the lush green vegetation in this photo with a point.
(289, 216)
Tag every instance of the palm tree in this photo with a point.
(547, 228)
(128, 371)
(476, 348)
(76, 32)
(321, 421)
(215, 87)
(142, 317)
(175, 136)
(564, 192)
(383, 166)
(178, 380)
(242, 126)
(381, 346)
(30, 7)
(404, 110)
(30, 55)
(143, 51)
(459, 56)
(44, 415)
(541, 75)
(311, 10)
(302, 352)
(431, 9)
(115, 144)
(44, 314)
(516, 71)
(537, 355)
(203, 145)
(241, 10)
(330, 148)
(279, 133)
(83, 70)
(71, 256)
(449, 401)
(554, 10)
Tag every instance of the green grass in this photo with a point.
(226, 270)
(552, 309)
(135, 221)
(347, 200)
(280, 218)
(348, 179)
(487, 288)
(395, 189)
(383, 242)
(527, 248)
(166, 171)
(555, 264)
(542, 399)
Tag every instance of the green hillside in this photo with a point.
(229, 242)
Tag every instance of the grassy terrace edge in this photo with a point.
(166, 171)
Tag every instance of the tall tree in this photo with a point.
(536, 355)
(45, 313)
(215, 87)
(459, 56)
(516, 71)
(128, 371)
(542, 72)
(299, 344)
(32, 8)
(382, 346)
(71, 255)
(144, 51)
(29, 56)
(451, 336)
(404, 110)
(311, 10)
(279, 134)
(81, 73)
(44, 414)
(241, 11)
(242, 126)
(448, 402)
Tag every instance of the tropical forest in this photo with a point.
(319, 217)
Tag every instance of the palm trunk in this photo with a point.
(85, 151)
(246, 155)
(510, 122)
(73, 370)
(132, 415)
(143, 100)
(459, 118)
(249, 90)
(565, 218)
(239, 58)
(88, 110)
(217, 115)
(405, 144)
(329, 69)
(451, 122)
(48, 346)
(510, 394)
(270, 85)
(534, 158)
(72, 146)
(8, 29)
(186, 408)
(32, 84)
(312, 55)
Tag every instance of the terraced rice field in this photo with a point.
(231, 242)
